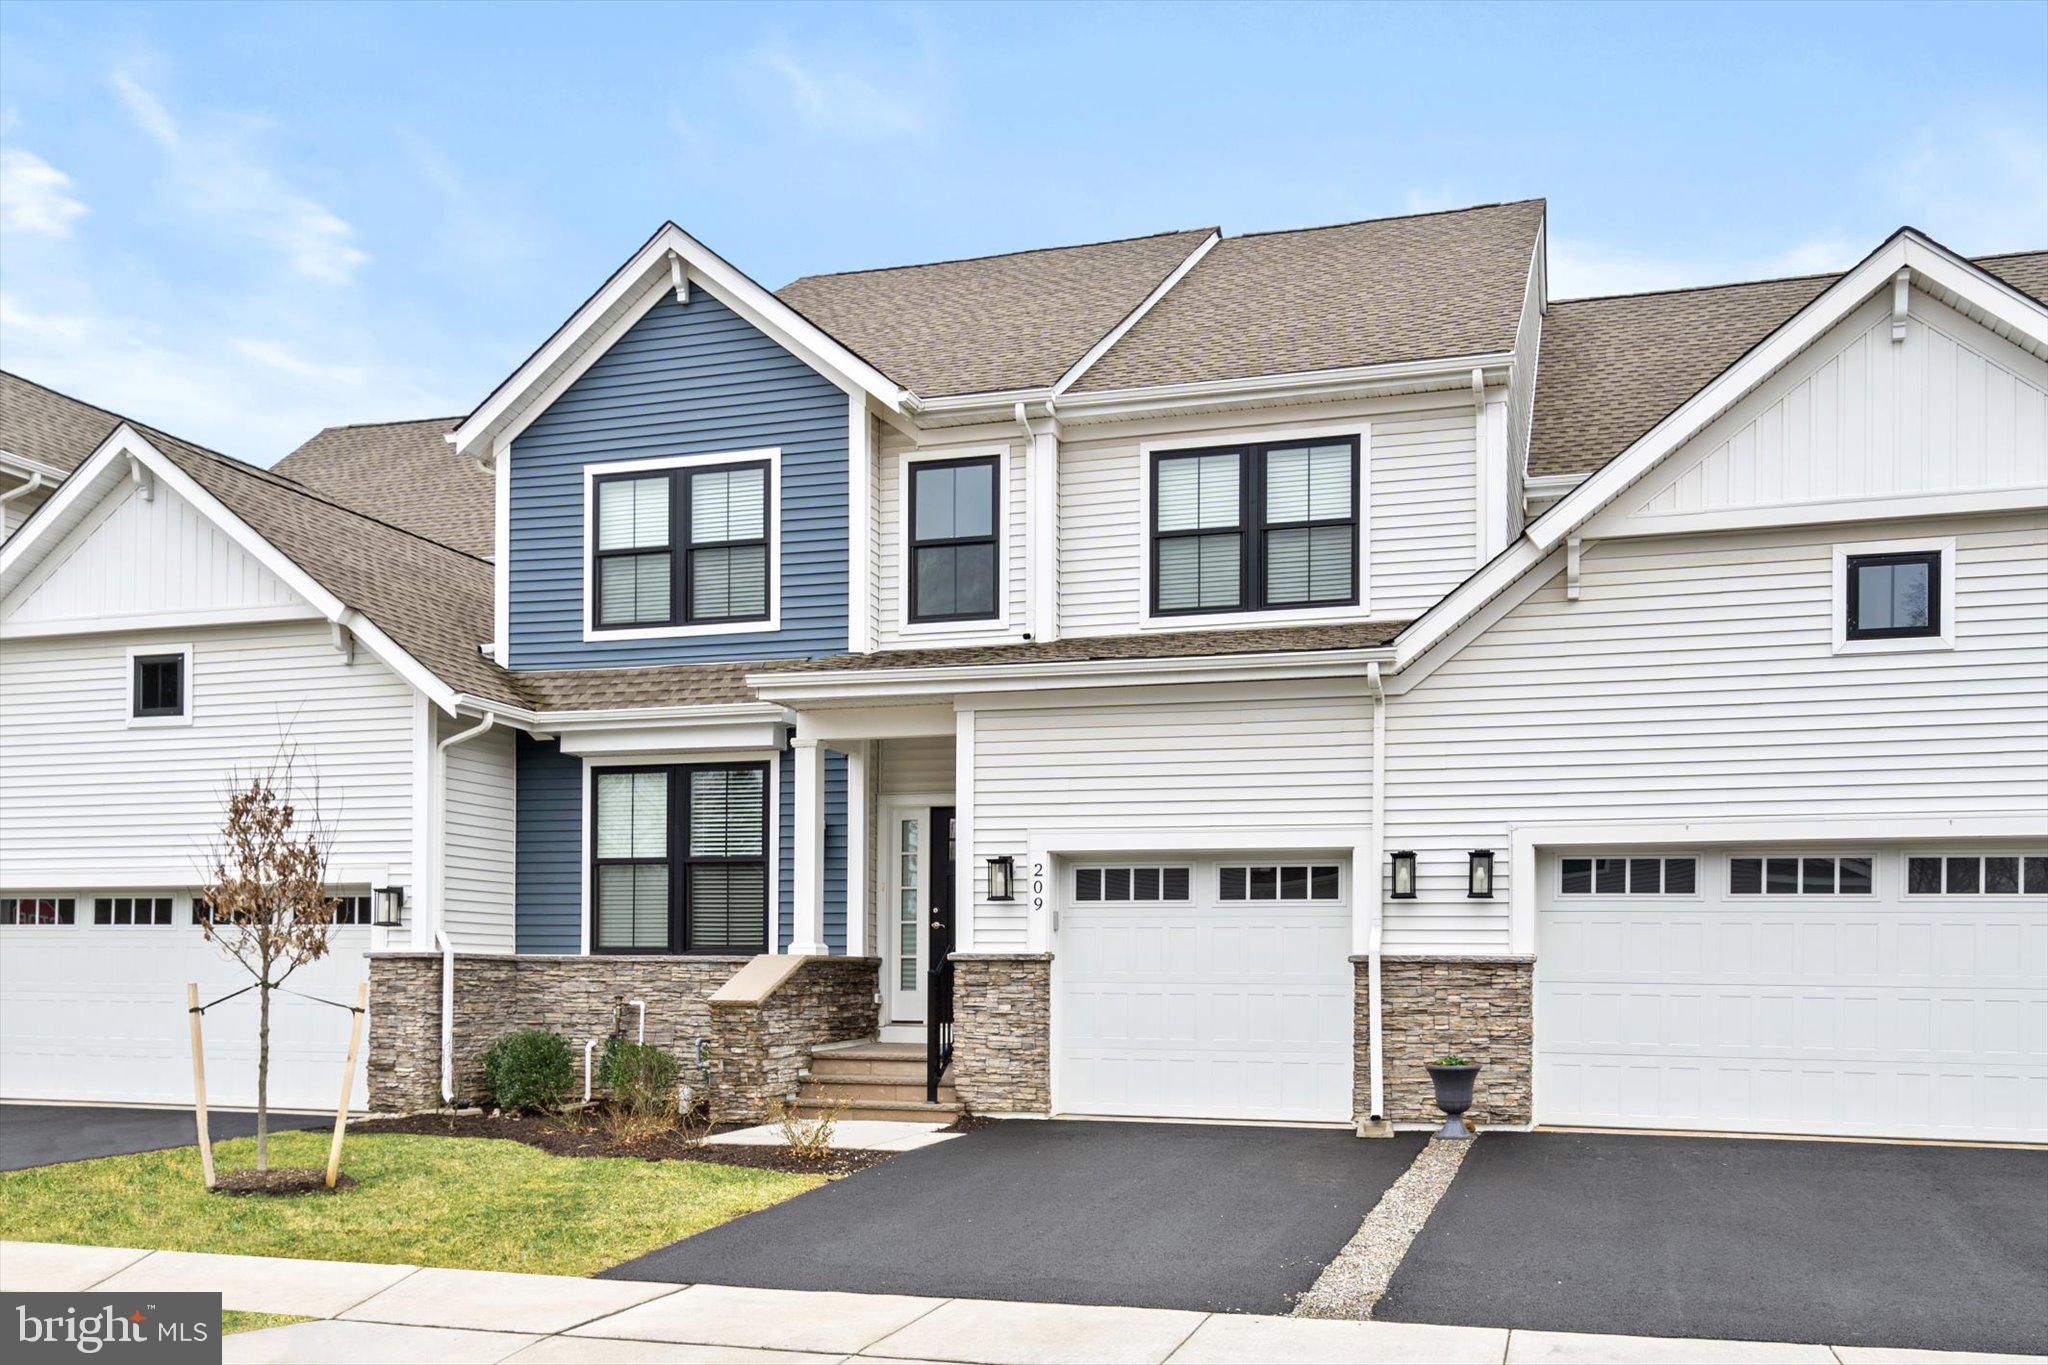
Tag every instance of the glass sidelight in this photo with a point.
(909, 907)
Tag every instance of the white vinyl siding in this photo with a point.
(891, 541)
(1424, 534)
(481, 792)
(1174, 759)
(1695, 680)
(917, 767)
(86, 799)
(137, 557)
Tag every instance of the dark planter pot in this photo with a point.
(1453, 1096)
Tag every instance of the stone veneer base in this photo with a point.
(1002, 1032)
(756, 1048)
(1479, 1007)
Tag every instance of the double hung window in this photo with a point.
(682, 547)
(680, 859)
(953, 551)
(1255, 527)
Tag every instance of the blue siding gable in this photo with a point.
(686, 379)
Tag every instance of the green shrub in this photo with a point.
(641, 1077)
(533, 1069)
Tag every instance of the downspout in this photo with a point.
(35, 481)
(437, 831)
(1372, 882)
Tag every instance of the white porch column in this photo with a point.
(857, 838)
(966, 867)
(808, 931)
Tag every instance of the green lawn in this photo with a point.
(233, 1320)
(474, 1203)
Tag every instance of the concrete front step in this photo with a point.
(861, 1091)
(836, 1066)
(886, 1111)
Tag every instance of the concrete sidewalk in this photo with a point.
(372, 1313)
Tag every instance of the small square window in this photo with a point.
(159, 688)
(1923, 876)
(1964, 876)
(1681, 876)
(1894, 596)
(1323, 882)
(1088, 884)
(1230, 883)
(2034, 876)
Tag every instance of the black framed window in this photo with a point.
(1894, 596)
(159, 685)
(953, 558)
(1255, 528)
(682, 547)
(1621, 874)
(680, 859)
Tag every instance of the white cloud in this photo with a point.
(834, 99)
(35, 197)
(221, 179)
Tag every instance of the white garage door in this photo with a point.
(1852, 991)
(96, 1012)
(1205, 989)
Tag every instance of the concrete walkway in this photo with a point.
(372, 1313)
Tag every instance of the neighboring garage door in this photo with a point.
(1850, 991)
(1205, 989)
(96, 1011)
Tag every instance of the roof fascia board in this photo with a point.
(1448, 372)
(706, 268)
(10, 463)
(860, 684)
(612, 717)
(1115, 334)
(34, 528)
(1905, 247)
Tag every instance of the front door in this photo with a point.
(921, 907)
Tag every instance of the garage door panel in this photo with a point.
(1881, 1015)
(1204, 1008)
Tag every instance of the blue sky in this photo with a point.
(244, 222)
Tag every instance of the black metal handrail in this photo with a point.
(938, 1028)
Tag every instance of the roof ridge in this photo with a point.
(1394, 218)
(394, 422)
(268, 476)
(998, 255)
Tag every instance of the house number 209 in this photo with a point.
(1038, 886)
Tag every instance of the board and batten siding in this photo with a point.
(1695, 679)
(1174, 759)
(134, 557)
(480, 800)
(1951, 409)
(1421, 511)
(686, 379)
(892, 561)
(87, 799)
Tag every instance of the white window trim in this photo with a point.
(1838, 601)
(665, 464)
(184, 717)
(980, 625)
(1702, 866)
(1906, 891)
(1878, 864)
(1203, 440)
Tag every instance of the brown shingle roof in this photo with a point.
(1612, 368)
(1180, 644)
(995, 322)
(1392, 289)
(403, 473)
(49, 427)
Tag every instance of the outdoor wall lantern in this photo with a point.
(1404, 876)
(1002, 878)
(387, 906)
(1479, 875)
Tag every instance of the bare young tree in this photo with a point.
(267, 901)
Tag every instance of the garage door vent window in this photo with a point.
(1131, 884)
(1997, 874)
(38, 910)
(131, 910)
(1618, 875)
(1804, 875)
(1281, 882)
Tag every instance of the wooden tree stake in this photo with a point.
(199, 1082)
(348, 1081)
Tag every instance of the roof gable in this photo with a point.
(402, 473)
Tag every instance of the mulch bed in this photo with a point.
(280, 1180)
(571, 1135)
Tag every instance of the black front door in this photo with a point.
(940, 907)
(938, 994)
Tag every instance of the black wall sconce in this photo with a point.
(1002, 878)
(1479, 874)
(387, 906)
(1404, 876)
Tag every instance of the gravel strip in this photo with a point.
(1351, 1285)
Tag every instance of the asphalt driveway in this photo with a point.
(1156, 1215)
(1849, 1244)
(44, 1134)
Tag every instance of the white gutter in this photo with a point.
(35, 481)
(1367, 881)
(437, 834)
